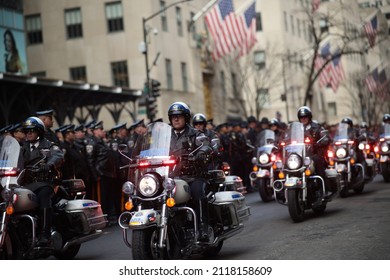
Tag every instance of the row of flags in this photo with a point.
(332, 72)
(231, 32)
(377, 83)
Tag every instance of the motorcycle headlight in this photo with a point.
(263, 158)
(294, 162)
(128, 188)
(341, 153)
(361, 146)
(385, 148)
(148, 185)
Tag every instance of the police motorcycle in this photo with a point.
(367, 148)
(383, 152)
(264, 170)
(75, 220)
(301, 188)
(342, 158)
(160, 213)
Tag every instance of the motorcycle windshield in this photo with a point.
(151, 151)
(266, 141)
(10, 160)
(386, 131)
(342, 133)
(295, 139)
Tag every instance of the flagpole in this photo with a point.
(200, 13)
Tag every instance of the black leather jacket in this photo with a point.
(182, 145)
(313, 131)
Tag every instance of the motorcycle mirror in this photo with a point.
(200, 140)
(324, 132)
(45, 152)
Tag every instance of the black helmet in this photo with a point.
(386, 118)
(179, 108)
(274, 122)
(34, 123)
(199, 119)
(304, 111)
(348, 121)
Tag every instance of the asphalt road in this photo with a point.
(353, 228)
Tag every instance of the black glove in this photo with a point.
(44, 167)
(201, 156)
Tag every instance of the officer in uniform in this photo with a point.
(183, 142)
(46, 116)
(103, 164)
(18, 133)
(42, 159)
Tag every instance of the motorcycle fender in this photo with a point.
(262, 173)
(370, 161)
(144, 217)
(341, 167)
(293, 182)
(384, 158)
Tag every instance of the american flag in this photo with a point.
(383, 85)
(223, 26)
(370, 28)
(315, 4)
(247, 28)
(332, 73)
(371, 80)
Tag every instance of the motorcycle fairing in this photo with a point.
(145, 217)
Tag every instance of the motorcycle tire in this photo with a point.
(319, 209)
(266, 192)
(295, 205)
(69, 254)
(359, 188)
(385, 169)
(213, 251)
(11, 249)
(142, 243)
(344, 187)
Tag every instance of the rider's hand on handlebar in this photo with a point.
(201, 156)
(45, 167)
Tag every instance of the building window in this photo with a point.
(179, 22)
(193, 26)
(299, 27)
(34, 29)
(259, 59)
(285, 21)
(78, 73)
(264, 99)
(168, 70)
(114, 15)
(292, 24)
(223, 83)
(234, 84)
(184, 76)
(259, 24)
(332, 109)
(164, 21)
(323, 25)
(120, 76)
(73, 24)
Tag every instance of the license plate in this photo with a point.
(341, 167)
(384, 158)
(291, 181)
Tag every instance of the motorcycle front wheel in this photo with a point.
(142, 243)
(265, 191)
(344, 187)
(385, 169)
(295, 204)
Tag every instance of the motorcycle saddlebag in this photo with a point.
(85, 215)
(232, 207)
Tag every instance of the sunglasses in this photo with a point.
(31, 130)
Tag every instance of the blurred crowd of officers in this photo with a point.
(91, 152)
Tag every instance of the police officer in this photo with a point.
(44, 159)
(183, 142)
(313, 130)
(18, 133)
(46, 116)
(103, 164)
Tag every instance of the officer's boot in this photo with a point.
(203, 220)
(45, 230)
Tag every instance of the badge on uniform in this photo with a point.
(89, 149)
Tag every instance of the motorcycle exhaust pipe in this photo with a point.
(252, 176)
